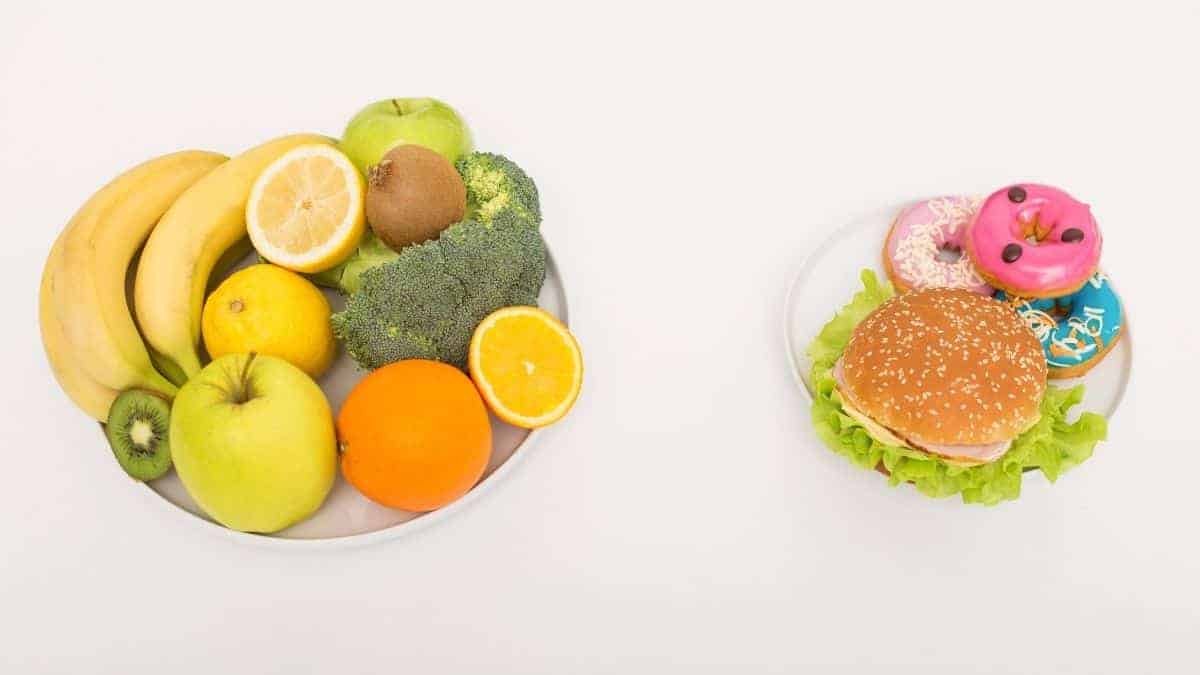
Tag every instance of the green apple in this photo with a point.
(385, 124)
(253, 441)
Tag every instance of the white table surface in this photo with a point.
(684, 517)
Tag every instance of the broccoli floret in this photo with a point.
(497, 191)
(427, 302)
(496, 184)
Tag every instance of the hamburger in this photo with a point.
(945, 371)
(944, 389)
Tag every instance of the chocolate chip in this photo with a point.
(1011, 253)
(1072, 235)
(1016, 194)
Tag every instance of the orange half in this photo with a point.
(527, 366)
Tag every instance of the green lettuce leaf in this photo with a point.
(1052, 445)
(829, 344)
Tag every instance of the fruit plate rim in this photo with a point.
(873, 218)
(398, 530)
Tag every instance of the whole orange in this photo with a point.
(414, 435)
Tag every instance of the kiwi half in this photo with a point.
(137, 428)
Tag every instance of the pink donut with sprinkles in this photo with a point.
(924, 247)
(1034, 241)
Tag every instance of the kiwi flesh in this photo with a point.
(137, 429)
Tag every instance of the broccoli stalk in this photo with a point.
(347, 276)
(427, 302)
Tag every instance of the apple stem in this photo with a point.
(244, 392)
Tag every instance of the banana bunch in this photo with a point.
(185, 212)
(180, 256)
(88, 332)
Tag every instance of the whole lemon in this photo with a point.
(269, 310)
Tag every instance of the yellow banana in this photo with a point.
(91, 396)
(90, 290)
(205, 222)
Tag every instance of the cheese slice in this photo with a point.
(876, 430)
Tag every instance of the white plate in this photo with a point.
(347, 517)
(829, 277)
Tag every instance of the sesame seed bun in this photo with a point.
(946, 366)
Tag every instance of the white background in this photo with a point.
(684, 518)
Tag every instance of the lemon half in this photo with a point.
(305, 211)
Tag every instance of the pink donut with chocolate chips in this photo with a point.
(1034, 241)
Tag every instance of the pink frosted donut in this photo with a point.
(912, 254)
(1034, 241)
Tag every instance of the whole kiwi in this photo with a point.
(413, 194)
(137, 429)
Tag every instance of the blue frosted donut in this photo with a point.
(1075, 330)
